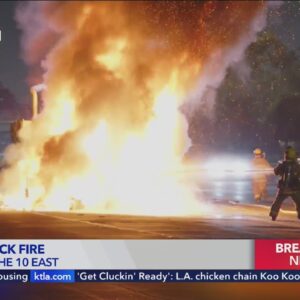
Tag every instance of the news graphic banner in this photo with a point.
(126, 254)
(69, 261)
(277, 254)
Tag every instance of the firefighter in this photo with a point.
(289, 183)
(259, 161)
(259, 179)
(259, 186)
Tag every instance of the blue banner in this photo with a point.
(59, 276)
(186, 276)
(21, 276)
(163, 276)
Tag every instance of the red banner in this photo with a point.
(277, 254)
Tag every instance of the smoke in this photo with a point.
(119, 70)
(216, 66)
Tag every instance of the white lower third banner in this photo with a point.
(127, 254)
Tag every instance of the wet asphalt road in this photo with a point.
(232, 221)
(224, 221)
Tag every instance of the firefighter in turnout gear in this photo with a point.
(259, 179)
(289, 183)
(259, 161)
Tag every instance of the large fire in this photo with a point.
(111, 137)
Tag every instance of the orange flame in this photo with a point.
(111, 136)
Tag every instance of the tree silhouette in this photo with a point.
(258, 110)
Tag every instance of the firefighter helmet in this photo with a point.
(290, 153)
(257, 151)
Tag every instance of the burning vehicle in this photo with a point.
(112, 135)
(36, 106)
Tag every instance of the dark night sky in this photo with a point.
(12, 69)
(285, 21)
